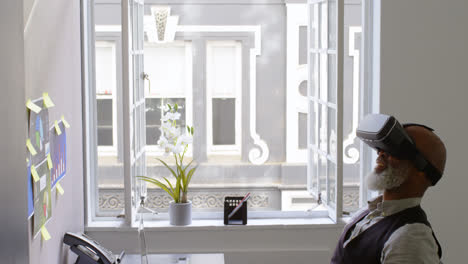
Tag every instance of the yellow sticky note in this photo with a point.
(34, 173)
(59, 188)
(65, 123)
(47, 101)
(30, 147)
(49, 162)
(45, 233)
(57, 128)
(33, 107)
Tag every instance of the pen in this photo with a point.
(246, 197)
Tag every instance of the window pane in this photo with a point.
(313, 123)
(313, 74)
(323, 139)
(331, 183)
(332, 24)
(332, 132)
(323, 177)
(109, 172)
(104, 122)
(323, 26)
(332, 78)
(323, 72)
(224, 118)
(312, 171)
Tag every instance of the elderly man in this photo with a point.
(394, 228)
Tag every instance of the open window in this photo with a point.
(133, 105)
(233, 83)
(325, 90)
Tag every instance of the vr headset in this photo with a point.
(385, 133)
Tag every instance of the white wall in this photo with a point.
(277, 244)
(52, 59)
(424, 78)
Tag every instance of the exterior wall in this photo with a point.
(423, 79)
(53, 64)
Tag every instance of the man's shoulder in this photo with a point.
(409, 239)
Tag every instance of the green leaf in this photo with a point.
(191, 130)
(167, 166)
(177, 190)
(190, 174)
(176, 107)
(183, 178)
(188, 165)
(188, 129)
(169, 184)
(170, 107)
(159, 184)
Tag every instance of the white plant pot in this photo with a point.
(180, 214)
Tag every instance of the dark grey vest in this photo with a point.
(367, 246)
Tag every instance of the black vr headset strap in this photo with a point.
(415, 124)
(420, 162)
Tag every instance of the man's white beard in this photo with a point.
(388, 179)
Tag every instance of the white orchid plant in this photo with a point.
(172, 141)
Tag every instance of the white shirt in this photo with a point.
(411, 243)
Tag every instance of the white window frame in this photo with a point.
(90, 136)
(155, 150)
(328, 150)
(234, 149)
(110, 150)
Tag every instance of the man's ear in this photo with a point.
(422, 178)
(425, 179)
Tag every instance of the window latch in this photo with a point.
(146, 77)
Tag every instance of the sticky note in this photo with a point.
(45, 233)
(34, 173)
(65, 123)
(59, 188)
(33, 107)
(57, 128)
(49, 162)
(30, 147)
(47, 101)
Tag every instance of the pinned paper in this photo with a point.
(47, 101)
(59, 188)
(34, 173)
(45, 233)
(57, 128)
(33, 107)
(65, 123)
(49, 162)
(30, 147)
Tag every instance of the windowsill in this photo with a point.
(218, 225)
